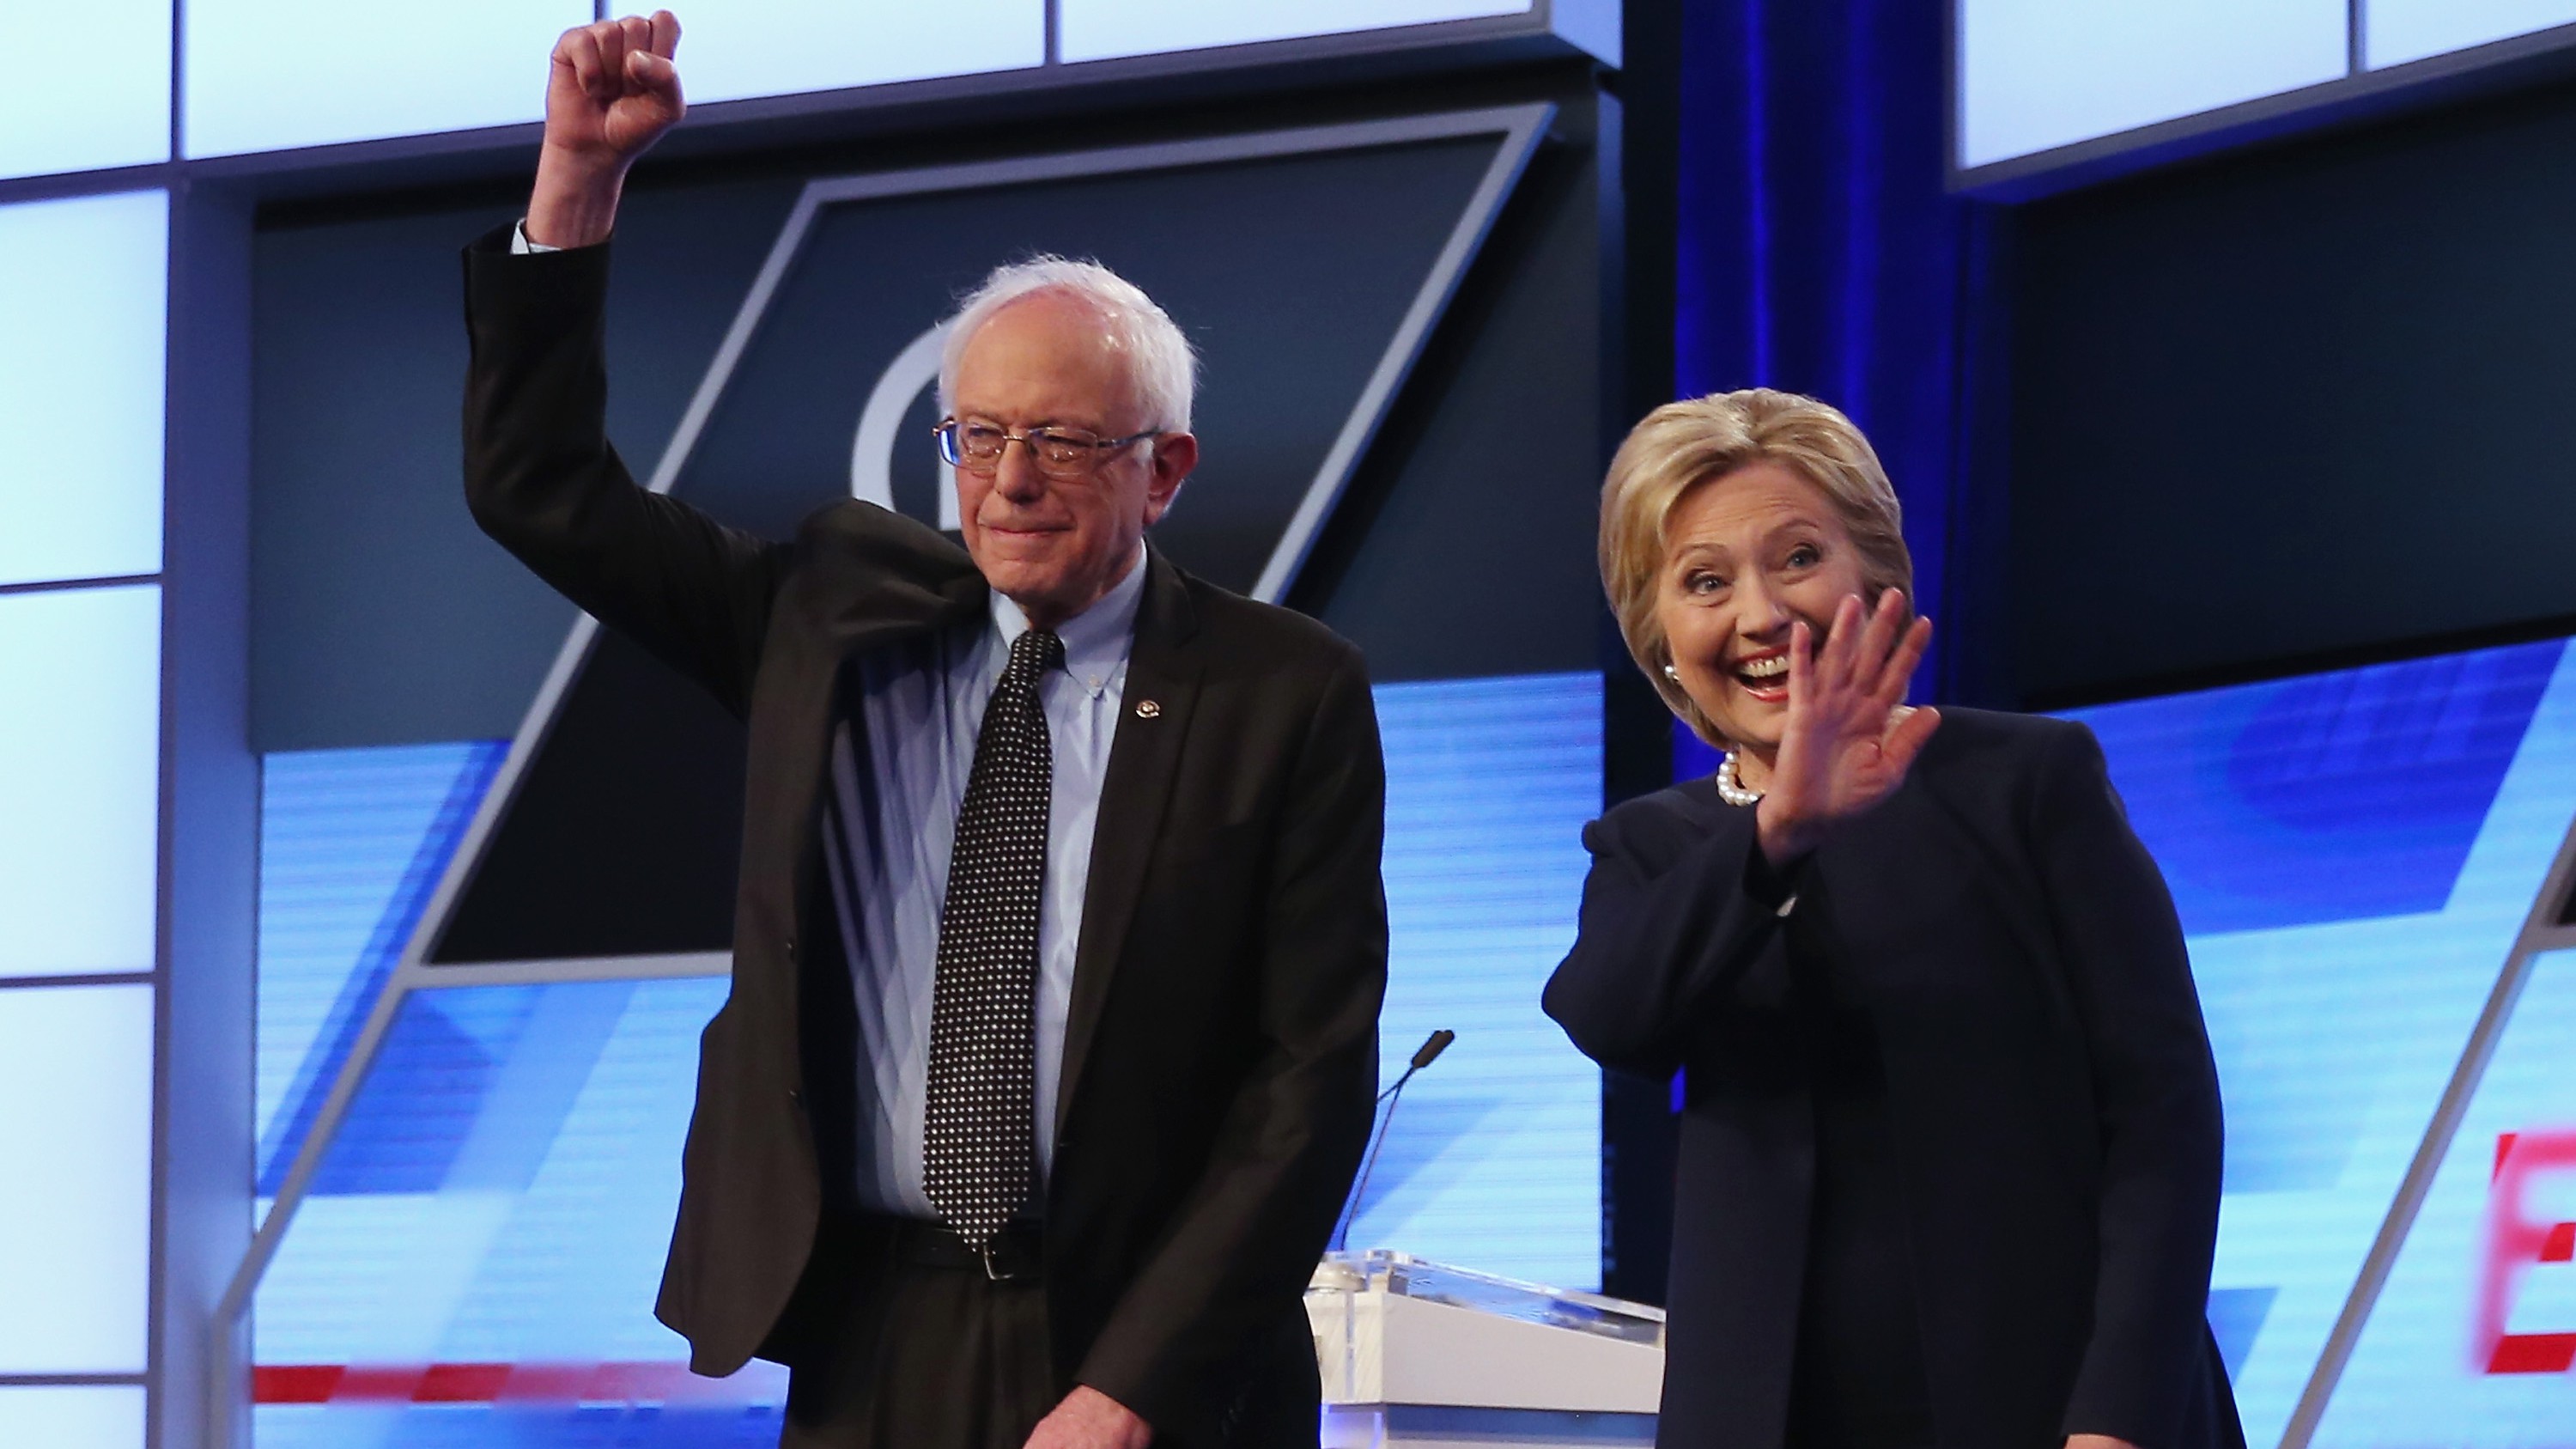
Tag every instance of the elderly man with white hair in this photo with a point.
(1059, 937)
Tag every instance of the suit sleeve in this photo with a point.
(2156, 1095)
(543, 481)
(1245, 1241)
(1658, 944)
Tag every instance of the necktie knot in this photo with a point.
(1033, 653)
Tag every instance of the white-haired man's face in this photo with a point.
(1054, 545)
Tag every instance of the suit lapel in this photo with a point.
(1153, 721)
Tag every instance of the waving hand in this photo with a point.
(1848, 741)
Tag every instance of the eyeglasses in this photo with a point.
(977, 445)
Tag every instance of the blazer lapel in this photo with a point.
(1154, 720)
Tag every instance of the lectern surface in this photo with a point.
(1425, 1355)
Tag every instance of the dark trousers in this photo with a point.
(912, 1344)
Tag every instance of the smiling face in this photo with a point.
(1055, 545)
(1746, 555)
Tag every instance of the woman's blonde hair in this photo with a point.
(1682, 445)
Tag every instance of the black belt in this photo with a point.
(1018, 1251)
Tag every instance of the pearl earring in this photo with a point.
(1672, 674)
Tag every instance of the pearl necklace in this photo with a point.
(1731, 787)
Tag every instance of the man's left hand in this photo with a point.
(2097, 1441)
(1090, 1419)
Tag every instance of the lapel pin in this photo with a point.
(1148, 709)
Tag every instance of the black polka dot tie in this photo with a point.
(979, 1149)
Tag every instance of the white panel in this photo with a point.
(80, 764)
(1101, 29)
(83, 291)
(108, 1416)
(76, 1202)
(84, 86)
(2036, 74)
(2397, 31)
(264, 75)
(735, 48)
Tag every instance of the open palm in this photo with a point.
(1847, 743)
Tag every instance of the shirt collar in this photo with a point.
(1097, 640)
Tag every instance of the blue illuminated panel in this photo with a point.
(1101, 29)
(2038, 74)
(777, 47)
(352, 843)
(86, 1416)
(76, 1199)
(478, 1262)
(2353, 855)
(85, 86)
(80, 770)
(480, 1256)
(83, 288)
(265, 75)
(2397, 31)
(1493, 1161)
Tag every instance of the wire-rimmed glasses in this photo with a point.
(977, 445)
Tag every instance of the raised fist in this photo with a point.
(614, 90)
(612, 93)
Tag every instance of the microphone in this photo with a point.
(1423, 1056)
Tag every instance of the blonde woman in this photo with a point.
(1949, 1159)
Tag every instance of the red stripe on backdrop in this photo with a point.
(2533, 1353)
(502, 1383)
(294, 1383)
(378, 1383)
(461, 1383)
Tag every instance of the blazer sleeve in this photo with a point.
(543, 481)
(2156, 1095)
(1659, 941)
(1245, 1241)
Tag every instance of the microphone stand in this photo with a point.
(1423, 1056)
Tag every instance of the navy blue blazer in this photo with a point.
(2050, 1092)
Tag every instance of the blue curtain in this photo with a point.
(1819, 251)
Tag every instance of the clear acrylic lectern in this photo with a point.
(1425, 1356)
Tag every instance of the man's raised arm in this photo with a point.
(540, 475)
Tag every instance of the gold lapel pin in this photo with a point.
(1148, 709)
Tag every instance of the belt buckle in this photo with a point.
(992, 1273)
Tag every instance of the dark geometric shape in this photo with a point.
(621, 837)
(1308, 268)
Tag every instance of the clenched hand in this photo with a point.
(612, 91)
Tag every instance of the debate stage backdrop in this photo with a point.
(2357, 857)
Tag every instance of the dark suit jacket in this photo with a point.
(1221, 1052)
(2050, 1093)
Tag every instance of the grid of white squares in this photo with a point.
(83, 314)
(2034, 75)
(89, 86)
